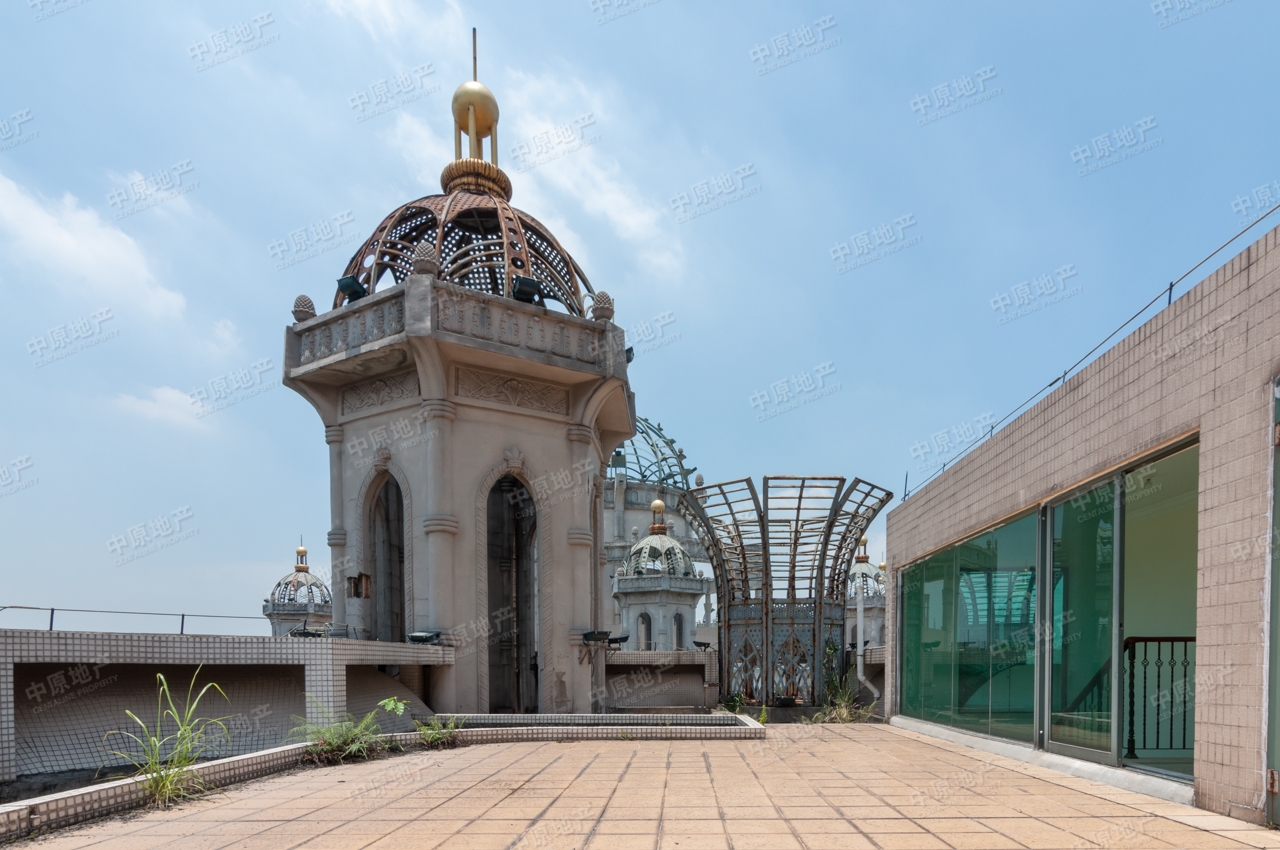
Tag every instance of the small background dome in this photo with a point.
(659, 553)
(300, 587)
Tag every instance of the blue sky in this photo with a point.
(929, 208)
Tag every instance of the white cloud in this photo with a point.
(81, 254)
(426, 152)
(406, 21)
(165, 405)
(226, 338)
(588, 176)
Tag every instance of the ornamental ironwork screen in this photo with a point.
(781, 558)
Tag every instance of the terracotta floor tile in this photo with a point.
(978, 840)
(692, 841)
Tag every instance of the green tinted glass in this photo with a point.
(912, 600)
(938, 637)
(1083, 588)
(1013, 606)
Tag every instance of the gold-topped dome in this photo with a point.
(480, 241)
(300, 586)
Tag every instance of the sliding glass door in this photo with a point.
(1083, 577)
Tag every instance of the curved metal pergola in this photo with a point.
(781, 558)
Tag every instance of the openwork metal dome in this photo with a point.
(300, 587)
(659, 553)
(481, 242)
(652, 456)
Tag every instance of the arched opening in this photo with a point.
(386, 525)
(512, 591)
(677, 623)
(644, 632)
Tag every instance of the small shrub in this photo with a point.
(764, 715)
(733, 703)
(164, 762)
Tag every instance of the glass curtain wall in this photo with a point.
(1117, 622)
(968, 634)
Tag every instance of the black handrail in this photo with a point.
(182, 622)
(1187, 696)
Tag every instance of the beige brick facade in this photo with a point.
(1203, 366)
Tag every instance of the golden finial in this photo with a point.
(301, 566)
(659, 525)
(475, 112)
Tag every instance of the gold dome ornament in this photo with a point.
(659, 525)
(475, 112)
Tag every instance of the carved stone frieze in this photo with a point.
(353, 329)
(377, 392)
(471, 316)
(513, 391)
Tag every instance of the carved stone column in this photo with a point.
(582, 568)
(337, 534)
(434, 592)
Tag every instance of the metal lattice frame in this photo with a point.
(481, 242)
(653, 456)
(781, 566)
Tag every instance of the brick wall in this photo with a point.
(1204, 365)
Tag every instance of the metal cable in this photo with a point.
(1164, 291)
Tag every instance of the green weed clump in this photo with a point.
(843, 707)
(439, 736)
(163, 762)
(335, 741)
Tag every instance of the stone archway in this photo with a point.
(512, 579)
(385, 556)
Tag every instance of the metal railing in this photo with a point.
(182, 618)
(1172, 690)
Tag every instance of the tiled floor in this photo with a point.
(822, 787)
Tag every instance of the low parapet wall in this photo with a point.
(61, 691)
(71, 807)
(637, 679)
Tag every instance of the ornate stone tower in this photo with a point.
(470, 405)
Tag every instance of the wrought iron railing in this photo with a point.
(1167, 665)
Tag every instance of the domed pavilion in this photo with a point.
(658, 589)
(300, 600)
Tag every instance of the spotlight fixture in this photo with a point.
(352, 288)
(524, 288)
